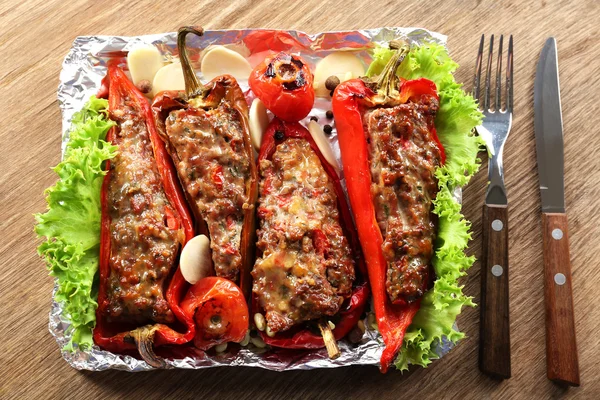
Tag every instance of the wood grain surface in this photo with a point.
(35, 35)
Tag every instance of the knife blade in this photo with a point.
(561, 345)
(549, 130)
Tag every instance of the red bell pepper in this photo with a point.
(220, 311)
(284, 83)
(127, 337)
(350, 100)
(350, 312)
(198, 99)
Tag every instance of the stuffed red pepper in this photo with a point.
(207, 136)
(145, 223)
(390, 152)
(309, 272)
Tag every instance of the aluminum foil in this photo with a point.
(83, 69)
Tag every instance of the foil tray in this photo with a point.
(83, 69)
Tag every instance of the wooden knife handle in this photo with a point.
(494, 338)
(561, 346)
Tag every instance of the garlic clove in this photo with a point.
(322, 143)
(259, 120)
(169, 77)
(221, 60)
(143, 63)
(195, 260)
(345, 65)
(241, 49)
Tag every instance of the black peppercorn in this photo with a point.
(314, 118)
(327, 129)
(279, 135)
(145, 86)
(329, 114)
(332, 82)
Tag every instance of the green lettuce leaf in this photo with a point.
(71, 223)
(457, 117)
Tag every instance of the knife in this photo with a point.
(561, 346)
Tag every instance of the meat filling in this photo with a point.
(306, 269)
(143, 248)
(213, 167)
(403, 157)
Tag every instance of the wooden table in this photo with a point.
(36, 35)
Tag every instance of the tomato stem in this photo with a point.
(144, 339)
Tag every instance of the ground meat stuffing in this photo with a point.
(403, 159)
(306, 269)
(143, 248)
(213, 167)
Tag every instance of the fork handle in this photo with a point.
(561, 345)
(494, 338)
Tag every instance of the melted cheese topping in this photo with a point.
(403, 159)
(143, 249)
(306, 269)
(213, 168)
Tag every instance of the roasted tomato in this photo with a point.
(219, 310)
(285, 84)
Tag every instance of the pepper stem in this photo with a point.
(144, 339)
(387, 82)
(330, 343)
(193, 86)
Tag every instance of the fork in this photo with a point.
(494, 340)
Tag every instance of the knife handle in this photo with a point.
(494, 337)
(561, 346)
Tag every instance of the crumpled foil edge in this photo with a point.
(82, 70)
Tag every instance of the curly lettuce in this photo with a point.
(71, 223)
(457, 116)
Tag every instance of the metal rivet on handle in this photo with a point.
(497, 225)
(557, 234)
(497, 270)
(560, 279)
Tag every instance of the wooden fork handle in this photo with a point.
(494, 338)
(561, 345)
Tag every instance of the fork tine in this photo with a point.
(509, 77)
(477, 78)
(498, 105)
(488, 76)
